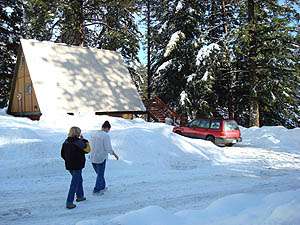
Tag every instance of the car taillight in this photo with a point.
(222, 134)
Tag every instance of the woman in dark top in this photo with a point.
(73, 152)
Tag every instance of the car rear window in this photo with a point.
(215, 124)
(231, 125)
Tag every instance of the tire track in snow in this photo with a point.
(124, 197)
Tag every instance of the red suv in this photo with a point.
(219, 131)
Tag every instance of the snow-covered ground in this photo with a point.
(161, 178)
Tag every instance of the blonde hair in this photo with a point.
(74, 132)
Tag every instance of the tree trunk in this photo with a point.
(253, 103)
(80, 24)
(254, 113)
(224, 13)
(73, 27)
(148, 51)
(212, 18)
(230, 81)
(230, 106)
(148, 54)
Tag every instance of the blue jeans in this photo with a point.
(75, 186)
(100, 181)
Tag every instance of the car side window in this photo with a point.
(215, 124)
(203, 123)
(193, 123)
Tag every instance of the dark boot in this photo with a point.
(70, 206)
(80, 199)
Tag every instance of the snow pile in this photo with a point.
(161, 177)
(278, 208)
(147, 216)
(278, 138)
(248, 209)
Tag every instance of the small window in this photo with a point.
(215, 124)
(203, 123)
(28, 89)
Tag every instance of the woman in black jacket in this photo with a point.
(73, 152)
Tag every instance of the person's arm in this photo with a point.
(62, 152)
(108, 147)
(115, 155)
(83, 145)
(87, 147)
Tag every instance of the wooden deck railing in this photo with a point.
(159, 110)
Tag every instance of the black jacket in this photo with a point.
(73, 154)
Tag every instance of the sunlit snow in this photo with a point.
(161, 177)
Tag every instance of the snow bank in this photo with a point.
(248, 209)
(278, 138)
(150, 215)
(240, 209)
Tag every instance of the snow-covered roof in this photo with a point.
(79, 79)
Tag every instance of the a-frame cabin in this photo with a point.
(56, 78)
(23, 101)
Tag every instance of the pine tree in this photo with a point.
(203, 84)
(11, 13)
(266, 52)
(222, 23)
(100, 24)
(175, 38)
(41, 21)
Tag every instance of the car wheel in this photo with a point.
(229, 144)
(178, 132)
(210, 138)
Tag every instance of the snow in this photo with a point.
(173, 42)
(164, 66)
(8, 10)
(161, 177)
(191, 77)
(163, 27)
(286, 94)
(205, 76)
(278, 208)
(273, 96)
(183, 97)
(179, 6)
(205, 51)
